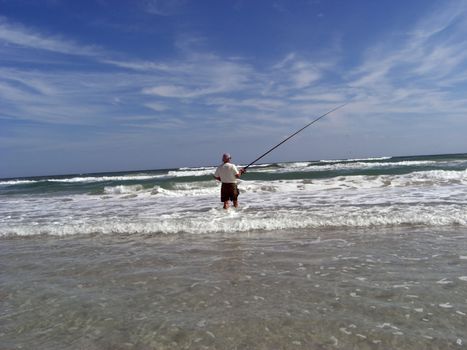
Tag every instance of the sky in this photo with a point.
(118, 85)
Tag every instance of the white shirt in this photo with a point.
(227, 172)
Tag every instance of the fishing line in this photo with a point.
(295, 133)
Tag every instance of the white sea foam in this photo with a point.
(295, 165)
(107, 178)
(314, 167)
(191, 172)
(428, 198)
(354, 160)
(326, 165)
(431, 177)
(16, 182)
(446, 306)
(264, 165)
(183, 172)
(85, 179)
(195, 169)
(185, 190)
(202, 214)
(121, 189)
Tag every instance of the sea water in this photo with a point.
(345, 254)
(429, 191)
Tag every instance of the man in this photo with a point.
(228, 174)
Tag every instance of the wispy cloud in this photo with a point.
(202, 75)
(299, 72)
(197, 82)
(69, 98)
(158, 107)
(16, 34)
(419, 73)
(144, 66)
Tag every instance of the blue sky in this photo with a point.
(109, 85)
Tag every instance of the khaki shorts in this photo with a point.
(229, 192)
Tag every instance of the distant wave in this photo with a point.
(191, 172)
(85, 179)
(261, 165)
(358, 182)
(196, 168)
(97, 179)
(278, 168)
(16, 182)
(328, 166)
(107, 178)
(355, 160)
(294, 165)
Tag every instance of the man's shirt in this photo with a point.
(227, 172)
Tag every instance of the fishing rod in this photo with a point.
(295, 133)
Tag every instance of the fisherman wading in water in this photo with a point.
(228, 174)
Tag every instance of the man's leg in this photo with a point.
(235, 196)
(226, 205)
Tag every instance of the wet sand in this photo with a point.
(403, 288)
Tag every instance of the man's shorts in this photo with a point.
(229, 192)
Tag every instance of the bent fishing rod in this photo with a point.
(295, 133)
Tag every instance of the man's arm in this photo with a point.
(240, 173)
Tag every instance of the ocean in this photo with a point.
(331, 254)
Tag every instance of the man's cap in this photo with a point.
(226, 156)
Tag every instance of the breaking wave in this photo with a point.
(421, 192)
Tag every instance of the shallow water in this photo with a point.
(382, 288)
